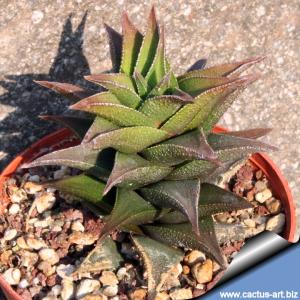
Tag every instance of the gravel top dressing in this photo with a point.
(45, 239)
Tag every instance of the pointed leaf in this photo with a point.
(78, 125)
(232, 69)
(164, 86)
(81, 157)
(113, 78)
(118, 114)
(231, 147)
(250, 133)
(182, 195)
(183, 95)
(129, 209)
(130, 139)
(214, 199)
(158, 68)
(83, 187)
(206, 109)
(141, 83)
(162, 107)
(99, 125)
(196, 169)
(158, 259)
(68, 90)
(189, 146)
(115, 47)
(149, 45)
(105, 97)
(132, 41)
(124, 94)
(105, 256)
(181, 235)
(132, 171)
(197, 84)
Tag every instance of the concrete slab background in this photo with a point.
(40, 40)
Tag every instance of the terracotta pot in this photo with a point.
(64, 138)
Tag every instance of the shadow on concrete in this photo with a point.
(22, 126)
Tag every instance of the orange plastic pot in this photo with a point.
(64, 138)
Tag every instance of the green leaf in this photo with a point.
(132, 171)
(130, 139)
(132, 41)
(207, 108)
(164, 86)
(79, 125)
(232, 69)
(158, 259)
(182, 195)
(250, 133)
(82, 157)
(105, 256)
(115, 47)
(213, 200)
(158, 68)
(118, 114)
(105, 97)
(141, 83)
(183, 95)
(125, 95)
(181, 235)
(189, 146)
(197, 84)
(162, 107)
(107, 79)
(149, 45)
(83, 187)
(99, 125)
(228, 147)
(196, 169)
(68, 90)
(231, 147)
(129, 209)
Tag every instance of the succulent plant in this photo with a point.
(148, 153)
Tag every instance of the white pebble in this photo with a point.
(87, 286)
(68, 289)
(10, 234)
(77, 226)
(34, 178)
(18, 196)
(14, 209)
(110, 291)
(121, 273)
(250, 223)
(12, 276)
(23, 284)
(276, 223)
(261, 197)
(35, 244)
(44, 202)
(65, 271)
(49, 255)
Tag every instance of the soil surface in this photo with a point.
(41, 40)
(45, 237)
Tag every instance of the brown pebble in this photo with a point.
(273, 205)
(186, 270)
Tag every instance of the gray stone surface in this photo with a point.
(40, 40)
